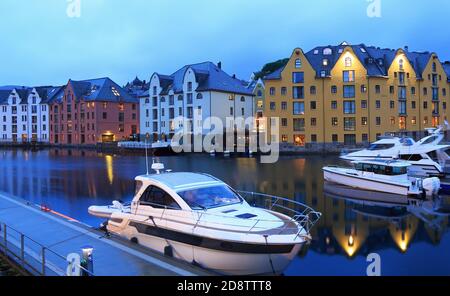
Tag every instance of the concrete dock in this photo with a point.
(61, 236)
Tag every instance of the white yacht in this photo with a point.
(427, 156)
(389, 176)
(200, 219)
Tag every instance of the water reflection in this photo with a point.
(69, 181)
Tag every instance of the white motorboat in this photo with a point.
(427, 156)
(200, 219)
(382, 176)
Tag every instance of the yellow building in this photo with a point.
(352, 94)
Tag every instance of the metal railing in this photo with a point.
(32, 256)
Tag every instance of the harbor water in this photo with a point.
(409, 239)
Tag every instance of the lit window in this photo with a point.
(115, 92)
(325, 62)
(348, 61)
(327, 51)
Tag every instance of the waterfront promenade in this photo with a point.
(61, 236)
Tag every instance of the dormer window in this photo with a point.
(115, 92)
(189, 86)
(298, 63)
(323, 73)
(325, 62)
(327, 51)
(316, 51)
(341, 50)
(363, 50)
(380, 62)
(348, 62)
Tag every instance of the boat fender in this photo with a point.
(431, 186)
(168, 251)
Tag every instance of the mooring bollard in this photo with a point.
(87, 261)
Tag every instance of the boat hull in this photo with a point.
(366, 184)
(219, 261)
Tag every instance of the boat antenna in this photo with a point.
(147, 136)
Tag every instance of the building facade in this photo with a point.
(201, 88)
(24, 114)
(352, 94)
(93, 111)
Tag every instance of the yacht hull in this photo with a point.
(249, 262)
(364, 183)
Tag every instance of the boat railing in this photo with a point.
(32, 256)
(298, 212)
(296, 218)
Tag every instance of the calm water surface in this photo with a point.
(410, 240)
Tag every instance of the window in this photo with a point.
(392, 104)
(299, 108)
(272, 91)
(349, 124)
(299, 124)
(414, 120)
(313, 105)
(425, 105)
(402, 92)
(413, 105)
(284, 122)
(349, 140)
(402, 123)
(283, 91)
(312, 90)
(402, 107)
(363, 89)
(349, 91)
(199, 96)
(349, 107)
(413, 90)
(435, 94)
(401, 63)
(334, 105)
(348, 76)
(298, 63)
(283, 105)
(334, 121)
(242, 99)
(189, 86)
(348, 62)
(158, 198)
(434, 67)
(272, 106)
(401, 77)
(363, 104)
(335, 138)
(325, 62)
(334, 89)
(313, 138)
(377, 89)
(298, 92)
(364, 121)
(298, 77)
(378, 120)
(378, 104)
(327, 51)
(425, 91)
(313, 121)
(391, 89)
(299, 140)
(105, 115)
(392, 120)
(365, 138)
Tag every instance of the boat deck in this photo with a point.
(62, 236)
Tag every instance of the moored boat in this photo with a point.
(382, 176)
(200, 219)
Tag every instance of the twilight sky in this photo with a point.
(41, 45)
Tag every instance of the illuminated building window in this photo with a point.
(334, 121)
(402, 123)
(435, 121)
(325, 62)
(284, 138)
(414, 120)
(425, 120)
(327, 51)
(401, 64)
(392, 120)
(363, 89)
(348, 62)
(299, 140)
(364, 121)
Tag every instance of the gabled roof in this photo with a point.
(375, 59)
(209, 78)
(101, 89)
(446, 66)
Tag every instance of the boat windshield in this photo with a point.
(382, 169)
(210, 197)
(375, 147)
(407, 141)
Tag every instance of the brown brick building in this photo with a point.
(93, 111)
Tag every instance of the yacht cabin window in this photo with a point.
(382, 169)
(158, 199)
(210, 197)
(375, 147)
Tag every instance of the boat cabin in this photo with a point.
(388, 168)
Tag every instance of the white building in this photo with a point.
(202, 89)
(24, 114)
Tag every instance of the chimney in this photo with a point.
(406, 48)
(219, 65)
(234, 76)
